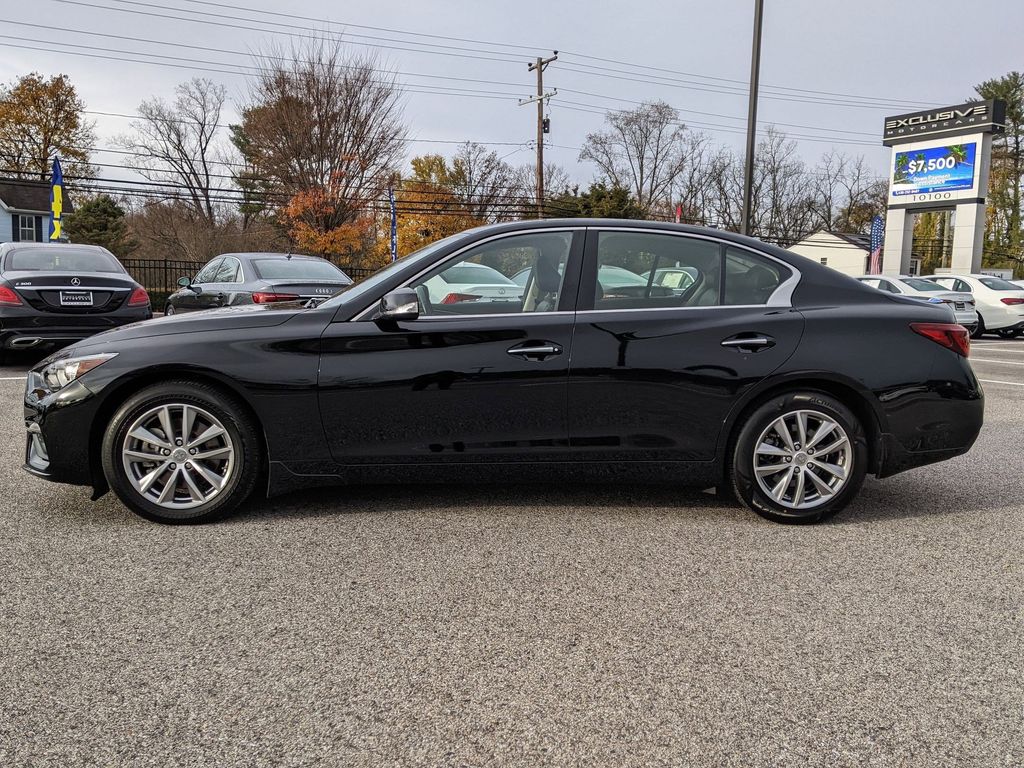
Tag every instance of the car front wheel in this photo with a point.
(182, 452)
(799, 458)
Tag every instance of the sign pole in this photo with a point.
(748, 168)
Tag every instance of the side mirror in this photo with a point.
(184, 282)
(400, 304)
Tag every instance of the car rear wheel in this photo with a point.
(182, 452)
(799, 458)
(1008, 333)
(169, 310)
(979, 329)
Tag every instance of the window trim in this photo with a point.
(578, 234)
(31, 219)
(781, 298)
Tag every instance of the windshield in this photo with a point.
(57, 258)
(925, 286)
(357, 291)
(284, 268)
(998, 284)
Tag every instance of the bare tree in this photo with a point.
(483, 182)
(641, 150)
(175, 145)
(326, 124)
(782, 204)
(842, 186)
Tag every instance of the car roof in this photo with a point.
(268, 255)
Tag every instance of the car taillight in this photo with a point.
(1011, 302)
(8, 297)
(263, 297)
(138, 298)
(455, 298)
(949, 335)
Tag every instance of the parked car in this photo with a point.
(235, 279)
(962, 304)
(1019, 283)
(773, 378)
(676, 278)
(52, 294)
(1000, 303)
(471, 282)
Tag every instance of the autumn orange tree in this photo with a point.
(41, 118)
(318, 220)
(428, 205)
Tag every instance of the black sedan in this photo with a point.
(770, 377)
(233, 279)
(55, 293)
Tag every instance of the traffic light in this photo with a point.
(546, 125)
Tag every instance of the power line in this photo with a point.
(620, 63)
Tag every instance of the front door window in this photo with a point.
(516, 274)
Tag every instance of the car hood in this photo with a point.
(228, 318)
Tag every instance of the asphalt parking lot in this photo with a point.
(510, 626)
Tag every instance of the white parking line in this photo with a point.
(997, 362)
(13, 378)
(994, 351)
(1007, 383)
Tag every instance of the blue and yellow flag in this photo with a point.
(56, 200)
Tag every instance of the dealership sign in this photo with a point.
(947, 168)
(972, 117)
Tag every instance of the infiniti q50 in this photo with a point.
(767, 376)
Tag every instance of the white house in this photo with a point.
(849, 253)
(25, 210)
(843, 251)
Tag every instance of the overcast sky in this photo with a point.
(891, 56)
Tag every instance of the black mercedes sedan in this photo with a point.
(770, 377)
(56, 293)
(233, 279)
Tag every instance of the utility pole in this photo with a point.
(539, 66)
(748, 169)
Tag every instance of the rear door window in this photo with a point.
(629, 264)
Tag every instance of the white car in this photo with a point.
(962, 304)
(469, 282)
(999, 302)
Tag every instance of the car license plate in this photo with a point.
(959, 305)
(76, 298)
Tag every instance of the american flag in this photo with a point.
(877, 237)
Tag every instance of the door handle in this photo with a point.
(536, 351)
(749, 342)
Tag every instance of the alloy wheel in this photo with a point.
(803, 459)
(178, 456)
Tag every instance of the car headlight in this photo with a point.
(60, 373)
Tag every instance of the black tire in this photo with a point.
(979, 330)
(741, 460)
(168, 310)
(1008, 333)
(241, 432)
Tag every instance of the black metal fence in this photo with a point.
(160, 276)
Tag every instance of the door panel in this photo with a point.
(658, 385)
(655, 372)
(481, 376)
(442, 390)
